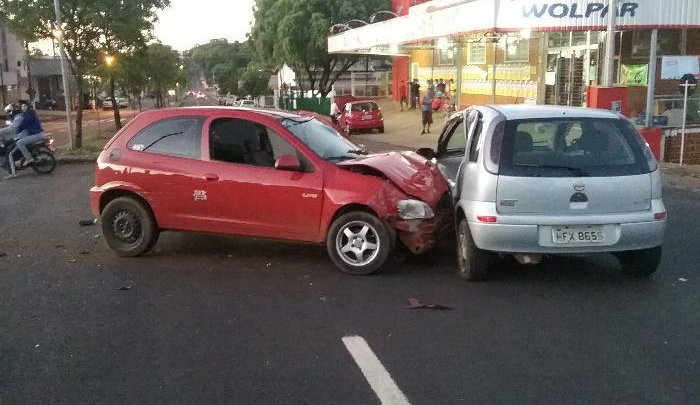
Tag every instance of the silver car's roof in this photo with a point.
(528, 111)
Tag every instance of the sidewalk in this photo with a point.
(685, 177)
(60, 115)
(403, 128)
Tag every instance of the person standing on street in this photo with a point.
(402, 94)
(427, 111)
(415, 92)
(335, 111)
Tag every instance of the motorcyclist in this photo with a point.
(26, 128)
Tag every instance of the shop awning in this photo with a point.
(443, 18)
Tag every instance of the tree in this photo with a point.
(132, 75)
(220, 61)
(91, 28)
(295, 32)
(255, 81)
(163, 70)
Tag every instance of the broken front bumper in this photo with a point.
(421, 235)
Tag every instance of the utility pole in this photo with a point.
(608, 72)
(66, 83)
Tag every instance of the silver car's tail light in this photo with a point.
(487, 219)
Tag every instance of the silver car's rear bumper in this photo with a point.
(510, 238)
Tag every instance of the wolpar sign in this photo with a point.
(593, 14)
(437, 19)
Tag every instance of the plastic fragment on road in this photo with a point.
(682, 279)
(415, 303)
(87, 222)
(125, 288)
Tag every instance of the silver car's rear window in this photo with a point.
(571, 147)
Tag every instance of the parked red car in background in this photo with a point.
(361, 115)
(269, 174)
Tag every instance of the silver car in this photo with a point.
(532, 181)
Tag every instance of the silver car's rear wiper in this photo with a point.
(579, 171)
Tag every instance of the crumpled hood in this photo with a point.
(409, 171)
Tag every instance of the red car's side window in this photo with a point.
(178, 136)
(241, 141)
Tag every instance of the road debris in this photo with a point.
(85, 253)
(415, 303)
(682, 279)
(87, 222)
(3, 254)
(125, 288)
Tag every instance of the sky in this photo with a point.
(191, 22)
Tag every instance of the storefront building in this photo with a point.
(536, 51)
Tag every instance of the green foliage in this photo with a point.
(220, 61)
(295, 32)
(254, 81)
(90, 28)
(162, 69)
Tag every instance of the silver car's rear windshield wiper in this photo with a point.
(579, 171)
(160, 138)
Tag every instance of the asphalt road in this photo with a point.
(214, 320)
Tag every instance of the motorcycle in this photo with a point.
(42, 152)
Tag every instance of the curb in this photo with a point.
(68, 159)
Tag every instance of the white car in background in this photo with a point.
(122, 102)
(246, 103)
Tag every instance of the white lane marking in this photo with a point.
(375, 373)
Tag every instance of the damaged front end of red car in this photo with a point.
(414, 199)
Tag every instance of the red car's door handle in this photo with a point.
(211, 177)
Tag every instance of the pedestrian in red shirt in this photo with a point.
(402, 94)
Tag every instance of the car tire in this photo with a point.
(129, 227)
(359, 243)
(640, 263)
(473, 263)
(380, 130)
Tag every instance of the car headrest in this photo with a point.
(523, 141)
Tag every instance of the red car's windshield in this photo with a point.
(323, 140)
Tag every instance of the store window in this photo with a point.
(669, 43)
(477, 53)
(445, 57)
(517, 50)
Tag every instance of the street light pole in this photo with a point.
(64, 73)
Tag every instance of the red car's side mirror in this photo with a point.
(289, 163)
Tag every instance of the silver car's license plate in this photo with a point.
(570, 235)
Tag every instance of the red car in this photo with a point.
(268, 174)
(361, 115)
